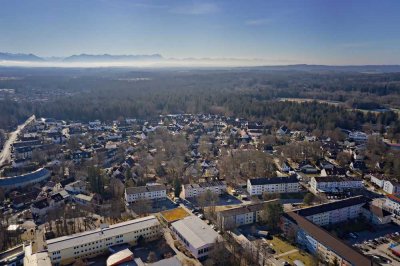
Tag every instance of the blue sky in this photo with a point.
(280, 32)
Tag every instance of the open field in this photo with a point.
(304, 100)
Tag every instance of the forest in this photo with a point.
(254, 94)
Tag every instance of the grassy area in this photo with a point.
(292, 195)
(174, 214)
(302, 256)
(281, 246)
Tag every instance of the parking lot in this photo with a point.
(162, 205)
(223, 200)
(376, 244)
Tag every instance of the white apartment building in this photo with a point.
(195, 234)
(334, 212)
(76, 187)
(378, 180)
(245, 214)
(147, 192)
(334, 183)
(392, 204)
(258, 186)
(195, 190)
(358, 136)
(67, 249)
(391, 187)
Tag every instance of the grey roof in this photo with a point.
(332, 206)
(349, 254)
(15, 180)
(65, 242)
(195, 231)
(335, 178)
(273, 180)
(143, 189)
(206, 184)
(245, 208)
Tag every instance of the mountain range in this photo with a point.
(154, 60)
(80, 58)
(20, 57)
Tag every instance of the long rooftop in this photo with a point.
(65, 242)
(332, 206)
(329, 241)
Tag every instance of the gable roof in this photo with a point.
(326, 239)
(332, 206)
(273, 180)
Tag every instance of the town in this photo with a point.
(197, 189)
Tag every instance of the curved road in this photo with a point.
(6, 152)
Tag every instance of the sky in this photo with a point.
(335, 32)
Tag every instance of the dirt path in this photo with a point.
(181, 257)
(286, 253)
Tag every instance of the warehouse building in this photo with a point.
(195, 234)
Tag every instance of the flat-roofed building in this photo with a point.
(147, 192)
(195, 190)
(258, 186)
(66, 249)
(195, 235)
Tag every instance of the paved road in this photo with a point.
(6, 152)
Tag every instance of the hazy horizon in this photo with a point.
(229, 33)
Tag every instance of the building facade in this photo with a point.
(67, 249)
(246, 214)
(319, 242)
(330, 184)
(195, 235)
(8, 183)
(391, 187)
(149, 192)
(195, 190)
(258, 186)
(334, 212)
(392, 203)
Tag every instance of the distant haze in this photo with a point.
(203, 32)
(106, 60)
